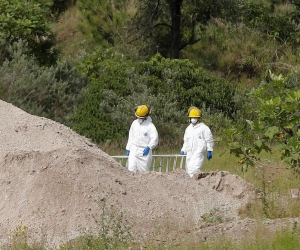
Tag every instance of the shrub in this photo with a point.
(25, 20)
(170, 87)
(53, 92)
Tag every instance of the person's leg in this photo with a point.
(132, 160)
(143, 162)
(188, 165)
(195, 163)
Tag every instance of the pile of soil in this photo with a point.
(55, 182)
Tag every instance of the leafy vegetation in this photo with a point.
(236, 60)
(170, 26)
(276, 122)
(104, 21)
(53, 92)
(168, 86)
(25, 20)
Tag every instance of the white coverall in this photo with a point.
(197, 139)
(141, 135)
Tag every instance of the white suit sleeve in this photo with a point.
(128, 146)
(153, 137)
(184, 142)
(209, 139)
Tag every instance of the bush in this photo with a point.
(25, 20)
(53, 92)
(170, 87)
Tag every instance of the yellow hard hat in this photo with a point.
(142, 111)
(194, 112)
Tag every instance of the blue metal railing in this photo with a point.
(160, 163)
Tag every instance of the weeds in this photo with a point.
(114, 231)
(21, 239)
(214, 216)
(114, 227)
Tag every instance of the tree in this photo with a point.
(282, 26)
(168, 26)
(104, 20)
(25, 20)
(53, 92)
(56, 7)
(175, 10)
(276, 123)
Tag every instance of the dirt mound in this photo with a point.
(54, 181)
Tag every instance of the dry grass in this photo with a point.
(69, 40)
(273, 181)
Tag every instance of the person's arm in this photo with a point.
(208, 136)
(184, 146)
(153, 135)
(128, 146)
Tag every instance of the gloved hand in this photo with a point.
(209, 155)
(146, 151)
(181, 153)
(127, 152)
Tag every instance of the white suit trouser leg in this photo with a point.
(194, 163)
(137, 162)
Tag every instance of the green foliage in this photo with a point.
(114, 230)
(56, 7)
(156, 25)
(284, 239)
(190, 85)
(22, 238)
(240, 54)
(170, 87)
(278, 26)
(277, 121)
(214, 216)
(93, 119)
(52, 92)
(104, 21)
(25, 20)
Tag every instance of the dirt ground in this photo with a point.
(54, 182)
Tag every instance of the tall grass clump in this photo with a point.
(241, 54)
(71, 42)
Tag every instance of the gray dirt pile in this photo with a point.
(54, 181)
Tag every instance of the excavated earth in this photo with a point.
(55, 183)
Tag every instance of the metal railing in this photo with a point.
(160, 163)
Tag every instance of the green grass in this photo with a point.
(283, 240)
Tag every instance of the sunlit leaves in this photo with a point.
(278, 119)
(25, 20)
(271, 132)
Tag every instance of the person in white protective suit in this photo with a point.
(143, 137)
(197, 139)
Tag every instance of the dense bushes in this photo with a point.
(170, 87)
(117, 84)
(53, 92)
(25, 20)
(277, 118)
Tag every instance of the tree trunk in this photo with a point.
(175, 7)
